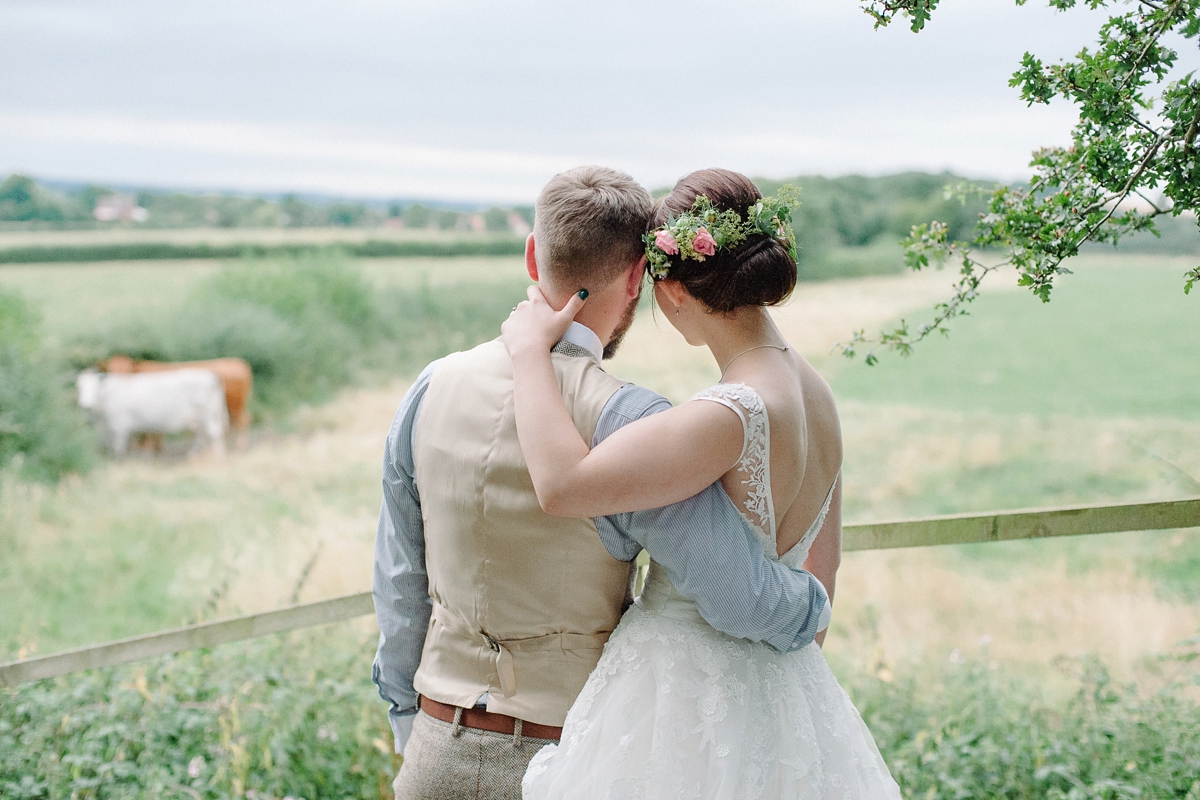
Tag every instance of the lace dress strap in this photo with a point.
(755, 459)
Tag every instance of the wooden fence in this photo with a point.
(958, 529)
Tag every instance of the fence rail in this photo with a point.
(956, 529)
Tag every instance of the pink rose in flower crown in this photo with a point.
(704, 243)
(664, 241)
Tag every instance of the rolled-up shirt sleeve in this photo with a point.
(710, 554)
(400, 585)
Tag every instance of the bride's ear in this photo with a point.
(674, 291)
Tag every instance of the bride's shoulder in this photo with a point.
(817, 395)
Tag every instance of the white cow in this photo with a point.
(156, 402)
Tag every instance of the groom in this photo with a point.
(492, 613)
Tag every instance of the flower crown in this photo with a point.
(702, 230)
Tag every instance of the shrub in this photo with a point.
(310, 325)
(973, 733)
(303, 326)
(297, 715)
(426, 323)
(280, 716)
(321, 284)
(40, 424)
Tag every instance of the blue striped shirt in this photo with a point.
(702, 543)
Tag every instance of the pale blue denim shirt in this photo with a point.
(702, 543)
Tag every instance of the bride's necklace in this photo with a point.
(779, 347)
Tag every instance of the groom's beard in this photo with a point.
(610, 349)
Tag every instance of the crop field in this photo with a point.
(1092, 398)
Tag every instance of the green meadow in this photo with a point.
(952, 653)
(1118, 339)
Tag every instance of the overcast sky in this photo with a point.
(484, 100)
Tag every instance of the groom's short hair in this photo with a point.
(588, 226)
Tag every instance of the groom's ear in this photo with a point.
(530, 259)
(633, 281)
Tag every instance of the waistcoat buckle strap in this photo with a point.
(503, 648)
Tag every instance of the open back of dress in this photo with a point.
(677, 709)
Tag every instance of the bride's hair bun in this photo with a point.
(758, 272)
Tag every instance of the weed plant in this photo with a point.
(296, 715)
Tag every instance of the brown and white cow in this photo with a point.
(234, 373)
(154, 404)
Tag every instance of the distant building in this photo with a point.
(475, 223)
(518, 225)
(119, 207)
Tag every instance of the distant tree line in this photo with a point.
(856, 211)
(26, 203)
(852, 211)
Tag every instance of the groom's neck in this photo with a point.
(601, 314)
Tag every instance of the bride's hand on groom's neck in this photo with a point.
(534, 327)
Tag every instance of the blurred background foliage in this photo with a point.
(26, 204)
(308, 325)
(848, 226)
(40, 427)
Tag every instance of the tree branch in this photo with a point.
(1166, 23)
(1129, 184)
(1071, 200)
(1190, 136)
(1157, 210)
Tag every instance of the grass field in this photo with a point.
(972, 665)
(1118, 339)
(78, 299)
(1024, 405)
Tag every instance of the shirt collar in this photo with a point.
(586, 338)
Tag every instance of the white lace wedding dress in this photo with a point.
(675, 709)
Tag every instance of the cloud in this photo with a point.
(483, 101)
(285, 157)
(983, 140)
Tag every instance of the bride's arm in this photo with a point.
(653, 462)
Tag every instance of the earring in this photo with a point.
(677, 311)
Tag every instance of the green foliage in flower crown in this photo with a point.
(770, 216)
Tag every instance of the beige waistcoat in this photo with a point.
(523, 602)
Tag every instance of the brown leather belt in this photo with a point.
(483, 720)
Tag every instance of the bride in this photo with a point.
(675, 709)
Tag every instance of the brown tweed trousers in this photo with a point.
(445, 763)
